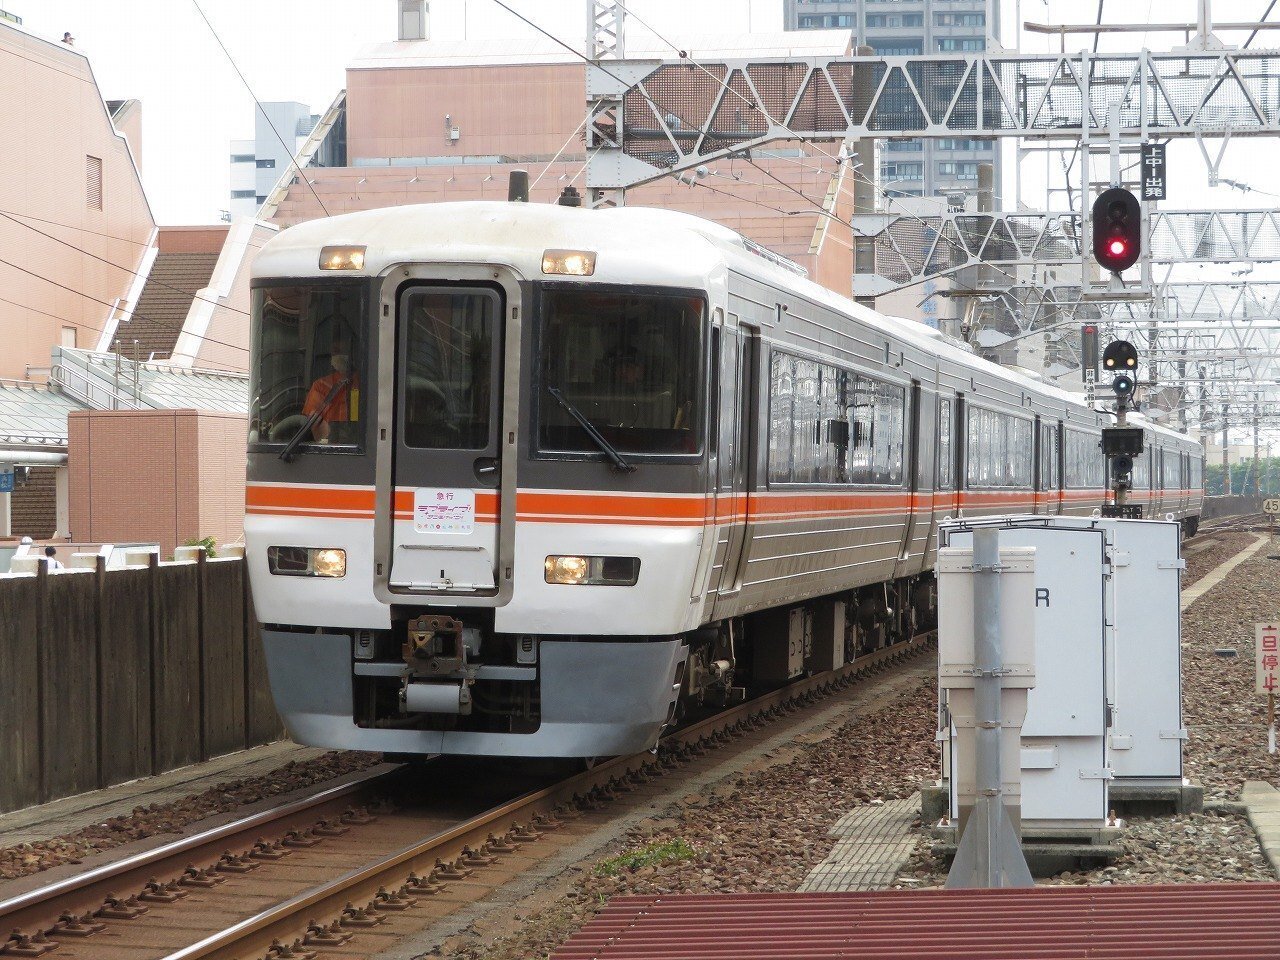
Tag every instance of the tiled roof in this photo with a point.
(33, 415)
(171, 286)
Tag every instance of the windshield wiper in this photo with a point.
(619, 464)
(287, 453)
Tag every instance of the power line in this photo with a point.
(293, 159)
(112, 263)
(90, 327)
(133, 315)
(724, 85)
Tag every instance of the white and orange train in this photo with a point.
(527, 480)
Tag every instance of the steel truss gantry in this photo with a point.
(912, 249)
(653, 118)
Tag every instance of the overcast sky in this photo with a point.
(162, 52)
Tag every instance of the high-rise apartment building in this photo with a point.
(914, 167)
(256, 165)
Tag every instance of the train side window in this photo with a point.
(1142, 469)
(1082, 456)
(1000, 449)
(829, 425)
(946, 458)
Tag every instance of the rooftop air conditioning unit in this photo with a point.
(415, 20)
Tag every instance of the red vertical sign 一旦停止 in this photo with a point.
(1267, 672)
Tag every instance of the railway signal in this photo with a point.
(1121, 443)
(1117, 229)
(1089, 351)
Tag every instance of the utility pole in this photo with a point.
(1226, 463)
(865, 176)
(1257, 476)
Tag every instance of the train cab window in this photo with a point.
(631, 364)
(449, 368)
(310, 366)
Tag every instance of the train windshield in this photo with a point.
(309, 364)
(631, 364)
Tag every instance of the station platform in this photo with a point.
(1181, 921)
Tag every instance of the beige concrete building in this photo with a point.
(425, 121)
(76, 233)
(164, 476)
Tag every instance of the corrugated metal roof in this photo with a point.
(32, 415)
(519, 52)
(165, 386)
(1238, 921)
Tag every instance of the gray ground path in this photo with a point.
(60, 817)
(874, 842)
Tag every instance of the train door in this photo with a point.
(913, 464)
(947, 482)
(739, 354)
(447, 433)
(1049, 480)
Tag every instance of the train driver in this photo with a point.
(338, 393)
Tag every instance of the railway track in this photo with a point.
(342, 867)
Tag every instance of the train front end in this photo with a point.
(477, 472)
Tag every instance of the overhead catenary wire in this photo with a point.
(684, 55)
(121, 267)
(258, 103)
(92, 298)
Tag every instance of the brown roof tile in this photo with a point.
(166, 298)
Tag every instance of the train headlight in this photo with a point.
(596, 571)
(572, 263)
(342, 258)
(329, 562)
(307, 561)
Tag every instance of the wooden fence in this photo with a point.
(106, 676)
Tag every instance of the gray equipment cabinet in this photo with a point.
(1107, 701)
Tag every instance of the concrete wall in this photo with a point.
(499, 110)
(54, 119)
(526, 114)
(163, 476)
(119, 675)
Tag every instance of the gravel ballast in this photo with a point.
(149, 821)
(772, 827)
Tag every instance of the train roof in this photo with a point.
(665, 247)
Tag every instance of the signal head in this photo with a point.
(1120, 355)
(1124, 385)
(1117, 229)
(1121, 467)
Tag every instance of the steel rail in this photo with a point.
(281, 921)
(24, 910)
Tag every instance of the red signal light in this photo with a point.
(1117, 248)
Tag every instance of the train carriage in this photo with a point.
(529, 480)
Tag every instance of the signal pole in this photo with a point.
(1121, 443)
